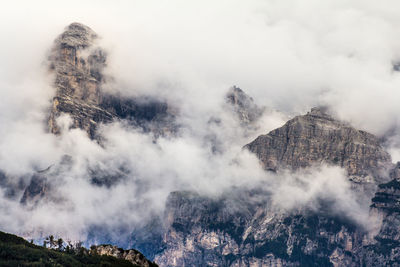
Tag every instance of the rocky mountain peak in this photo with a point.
(237, 96)
(320, 112)
(317, 138)
(77, 35)
(77, 64)
(243, 105)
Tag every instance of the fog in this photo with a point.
(289, 56)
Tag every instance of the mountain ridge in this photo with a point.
(240, 227)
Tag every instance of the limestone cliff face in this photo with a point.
(243, 105)
(204, 231)
(77, 63)
(317, 138)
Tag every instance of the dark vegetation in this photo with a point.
(16, 251)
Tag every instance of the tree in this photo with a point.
(51, 239)
(93, 250)
(60, 244)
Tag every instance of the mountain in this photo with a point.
(77, 62)
(77, 65)
(243, 228)
(243, 105)
(317, 138)
(16, 251)
(240, 226)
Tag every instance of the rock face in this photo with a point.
(209, 232)
(385, 251)
(318, 138)
(77, 65)
(131, 255)
(78, 62)
(149, 114)
(243, 105)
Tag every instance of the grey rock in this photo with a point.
(385, 250)
(243, 105)
(132, 255)
(78, 62)
(77, 65)
(232, 231)
(395, 172)
(317, 138)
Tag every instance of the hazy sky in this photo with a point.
(288, 55)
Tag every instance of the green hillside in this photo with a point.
(16, 251)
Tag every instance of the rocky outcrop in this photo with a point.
(130, 255)
(77, 63)
(243, 105)
(317, 138)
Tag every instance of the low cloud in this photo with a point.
(288, 56)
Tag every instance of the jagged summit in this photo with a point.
(243, 105)
(320, 112)
(77, 35)
(78, 64)
(237, 96)
(319, 138)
